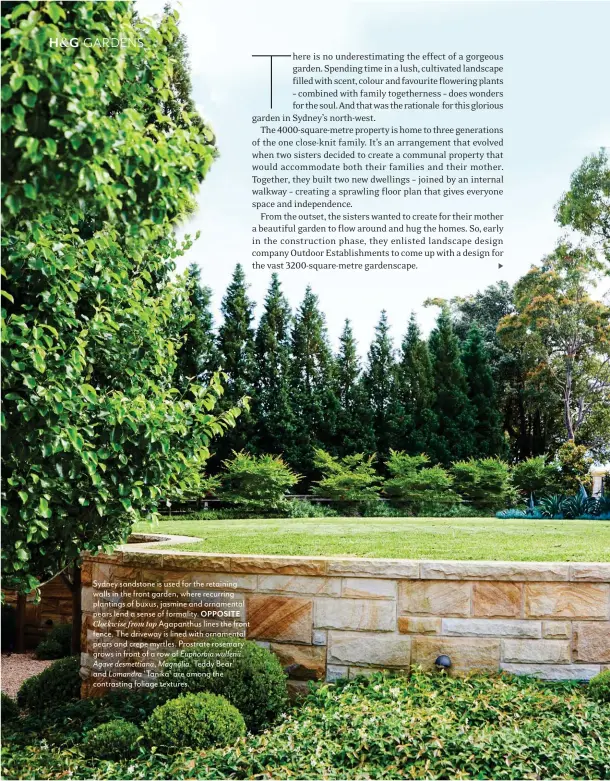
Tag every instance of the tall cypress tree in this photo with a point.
(489, 440)
(312, 392)
(236, 356)
(416, 391)
(354, 420)
(380, 383)
(454, 438)
(198, 356)
(271, 406)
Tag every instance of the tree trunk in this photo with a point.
(77, 613)
(20, 624)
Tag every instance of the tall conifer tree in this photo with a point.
(354, 420)
(380, 383)
(454, 438)
(489, 440)
(416, 391)
(312, 391)
(198, 356)
(271, 406)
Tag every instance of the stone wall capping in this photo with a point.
(495, 570)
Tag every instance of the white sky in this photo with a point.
(557, 111)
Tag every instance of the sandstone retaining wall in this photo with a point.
(327, 618)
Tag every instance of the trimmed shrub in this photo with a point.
(9, 708)
(535, 477)
(599, 686)
(195, 721)
(59, 683)
(257, 483)
(254, 681)
(50, 649)
(574, 465)
(420, 488)
(115, 739)
(484, 483)
(348, 481)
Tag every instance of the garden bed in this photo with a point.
(409, 538)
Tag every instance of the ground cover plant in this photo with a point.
(424, 726)
(418, 538)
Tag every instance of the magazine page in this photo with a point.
(306, 389)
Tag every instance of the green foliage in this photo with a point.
(196, 721)
(534, 476)
(116, 739)
(488, 435)
(303, 509)
(574, 464)
(599, 686)
(419, 486)
(454, 437)
(253, 682)
(347, 480)
(552, 506)
(58, 683)
(424, 726)
(257, 483)
(8, 708)
(96, 173)
(483, 483)
(57, 644)
(512, 514)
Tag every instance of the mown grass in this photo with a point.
(409, 538)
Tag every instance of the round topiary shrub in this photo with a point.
(58, 684)
(599, 686)
(116, 739)
(49, 649)
(249, 676)
(194, 721)
(9, 708)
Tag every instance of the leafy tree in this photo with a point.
(197, 357)
(415, 390)
(272, 408)
(454, 437)
(488, 437)
(380, 383)
(419, 487)
(256, 483)
(97, 433)
(574, 465)
(565, 331)
(235, 344)
(312, 386)
(586, 205)
(348, 480)
(354, 420)
(483, 483)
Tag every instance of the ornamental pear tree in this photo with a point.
(95, 176)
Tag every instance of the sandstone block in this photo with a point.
(482, 627)
(279, 618)
(592, 641)
(466, 653)
(592, 571)
(371, 650)
(372, 614)
(554, 672)
(537, 651)
(277, 565)
(334, 672)
(494, 570)
(186, 560)
(297, 690)
(369, 588)
(419, 625)
(566, 600)
(319, 637)
(556, 630)
(357, 672)
(300, 584)
(434, 597)
(374, 568)
(301, 662)
(497, 599)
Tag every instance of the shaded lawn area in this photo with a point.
(408, 538)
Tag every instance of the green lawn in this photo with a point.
(408, 538)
